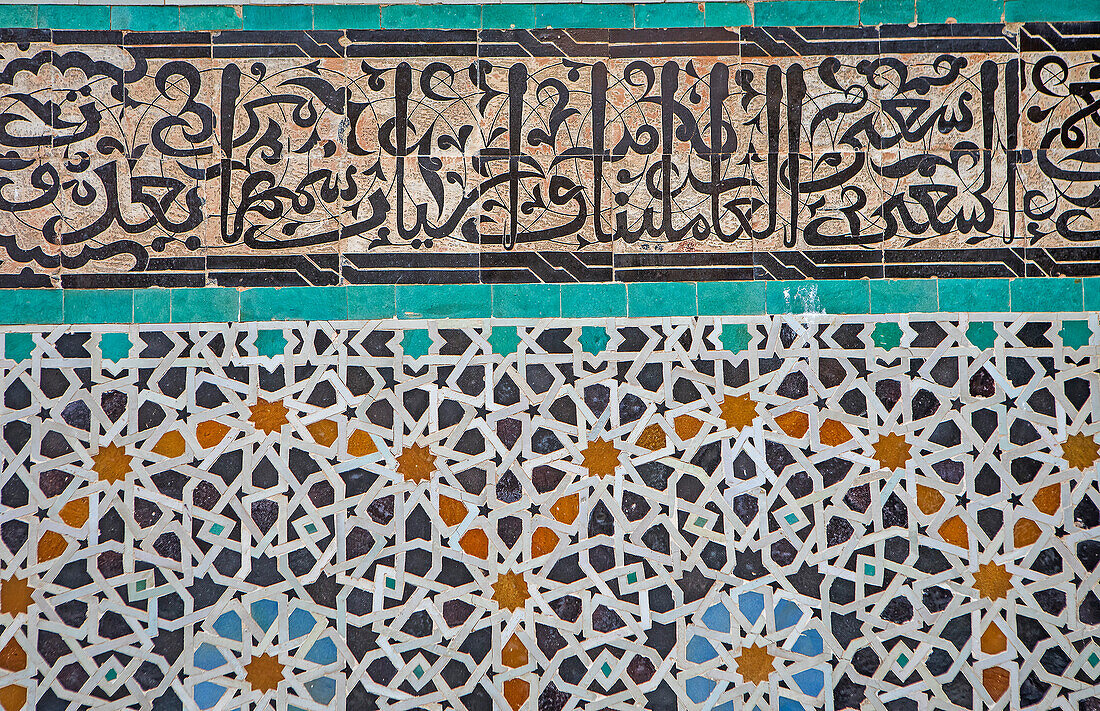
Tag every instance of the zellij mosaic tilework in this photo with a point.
(772, 512)
(832, 445)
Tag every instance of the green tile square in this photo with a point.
(781, 13)
(939, 11)
(270, 342)
(209, 305)
(31, 306)
(1046, 294)
(145, 18)
(982, 334)
(594, 339)
(731, 298)
(210, 17)
(887, 335)
(668, 14)
(526, 300)
(503, 16)
(19, 16)
(115, 346)
(18, 346)
(372, 301)
(735, 337)
(347, 17)
(605, 300)
(831, 296)
(443, 300)
(1075, 334)
(74, 17)
(887, 12)
(904, 296)
(449, 17)
(416, 342)
(99, 305)
(278, 17)
(504, 340)
(727, 14)
(152, 306)
(577, 14)
(295, 303)
(981, 295)
(661, 299)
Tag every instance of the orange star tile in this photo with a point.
(1080, 451)
(992, 581)
(15, 596)
(738, 411)
(510, 591)
(111, 463)
(264, 672)
(755, 664)
(416, 463)
(600, 458)
(892, 451)
(268, 416)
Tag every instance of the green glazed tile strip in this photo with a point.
(32, 306)
(584, 15)
(1046, 11)
(726, 13)
(146, 18)
(210, 17)
(99, 305)
(830, 297)
(731, 298)
(899, 296)
(940, 11)
(278, 17)
(507, 16)
(372, 301)
(19, 16)
(295, 303)
(444, 300)
(450, 17)
(887, 12)
(974, 295)
(593, 300)
(520, 301)
(205, 305)
(347, 17)
(74, 17)
(649, 299)
(526, 300)
(152, 306)
(1047, 294)
(669, 14)
(783, 13)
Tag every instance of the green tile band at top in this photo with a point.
(452, 15)
(538, 301)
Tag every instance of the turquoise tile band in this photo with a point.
(146, 18)
(514, 301)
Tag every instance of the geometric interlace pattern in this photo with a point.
(773, 512)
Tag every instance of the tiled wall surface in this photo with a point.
(423, 357)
